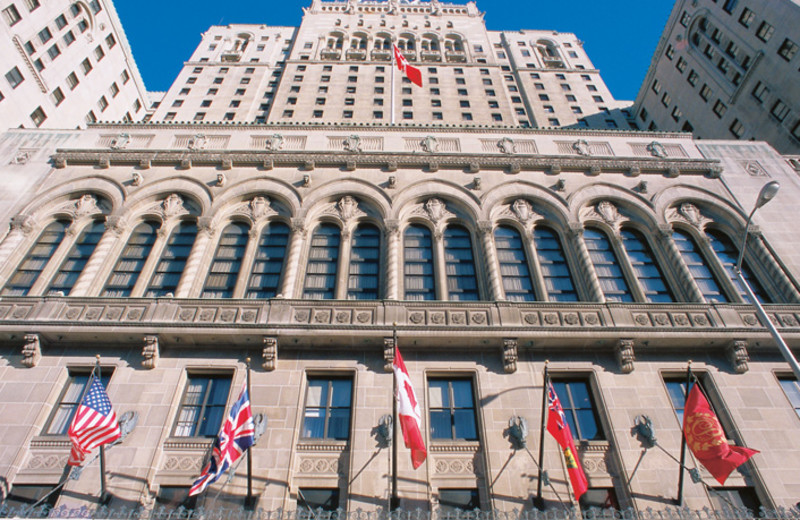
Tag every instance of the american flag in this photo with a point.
(94, 424)
(236, 436)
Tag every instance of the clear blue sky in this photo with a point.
(619, 35)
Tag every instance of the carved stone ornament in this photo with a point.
(608, 211)
(120, 142)
(392, 184)
(581, 147)
(221, 180)
(436, 210)
(150, 352)
(430, 144)
(173, 206)
(657, 149)
(738, 356)
(352, 143)
(275, 142)
(388, 354)
(523, 210)
(198, 142)
(259, 207)
(270, 354)
(116, 224)
(692, 214)
(507, 146)
(23, 223)
(476, 183)
(510, 355)
(625, 355)
(86, 205)
(136, 179)
(21, 157)
(348, 208)
(31, 351)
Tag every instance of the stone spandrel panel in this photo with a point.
(432, 144)
(277, 142)
(123, 140)
(198, 142)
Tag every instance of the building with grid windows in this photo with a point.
(176, 249)
(66, 64)
(727, 69)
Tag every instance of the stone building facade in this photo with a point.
(726, 70)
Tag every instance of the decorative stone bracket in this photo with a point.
(388, 354)
(31, 351)
(738, 355)
(150, 352)
(270, 353)
(510, 355)
(625, 355)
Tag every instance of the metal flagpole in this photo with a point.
(395, 500)
(392, 87)
(249, 500)
(683, 434)
(99, 371)
(539, 498)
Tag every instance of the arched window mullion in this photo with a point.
(460, 268)
(323, 263)
(512, 258)
(268, 262)
(227, 263)
(553, 266)
(36, 259)
(645, 268)
(418, 264)
(365, 263)
(607, 266)
(131, 261)
(72, 266)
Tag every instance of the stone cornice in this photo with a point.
(555, 164)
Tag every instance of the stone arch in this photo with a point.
(544, 201)
(370, 194)
(629, 206)
(192, 191)
(110, 195)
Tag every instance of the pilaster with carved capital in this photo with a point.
(393, 259)
(270, 354)
(293, 261)
(585, 262)
(487, 240)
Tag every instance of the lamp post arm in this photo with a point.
(762, 315)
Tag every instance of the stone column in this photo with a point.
(674, 258)
(190, 272)
(343, 263)
(492, 265)
(586, 265)
(21, 227)
(440, 265)
(115, 227)
(248, 259)
(393, 252)
(293, 261)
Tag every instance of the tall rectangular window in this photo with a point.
(418, 264)
(327, 408)
(14, 77)
(265, 278)
(451, 403)
(579, 408)
(11, 15)
(131, 261)
(462, 283)
(64, 410)
(792, 390)
(173, 259)
(203, 405)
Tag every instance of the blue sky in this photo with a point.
(619, 35)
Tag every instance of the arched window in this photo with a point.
(173, 259)
(553, 263)
(31, 267)
(131, 261)
(418, 264)
(227, 263)
(728, 254)
(365, 259)
(266, 275)
(606, 265)
(323, 257)
(698, 267)
(513, 265)
(76, 260)
(462, 284)
(645, 267)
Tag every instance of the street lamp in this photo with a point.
(766, 194)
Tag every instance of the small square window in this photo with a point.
(463, 103)
(72, 81)
(737, 129)
(191, 80)
(553, 122)
(102, 103)
(319, 101)
(747, 17)
(408, 115)
(544, 97)
(114, 89)
(110, 41)
(437, 116)
(720, 108)
(765, 31)
(199, 116)
(58, 96)
(69, 38)
(288, 113)
(316, 114)
(597, 99)
(570, 98)
(705, 92)
(45, 35)
(14, 77)
(779, 110)
(760, 92)
(466, 116)
(350, 90)
(787, 49)
(349, 101)
(11, 15)
(692, 78)
(452, 409)
(377, 114)
(99, 53)
(497, 117)
(347, 114)
(436, 102)
(548, 109)
(61, 21)
(494, 104)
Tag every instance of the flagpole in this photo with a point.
(249, 500)
(392, 87)
(99, 371)
(539, 499)
(683, 434)
(394, 502)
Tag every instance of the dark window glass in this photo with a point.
(26, 495)
(327, 410)
(131, 261)
(792, 390)
(462, 282)
(266, 275)
(645, 267)
(738, 498)
(72, 267)
(453, 500)
(452, 409)
(227, 262)
(418, 264)
(553, 263)
(513, 265)
(698, 267)
(311, 500)
(323, 257)
(203, 405)
(365, 259)
(173, 259)
(728, 254)
(606, 265)
(35, 261)
(579, 409)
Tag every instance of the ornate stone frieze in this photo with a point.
(197, 142)
(86, 205)
(581, 147)
(510, 355)
(150, 352)
(269, 354)
(738, 356)
(352, 143)
(625, 355)
(31, 351)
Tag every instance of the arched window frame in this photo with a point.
(347, 263)
(729, 276)
(433, 260)
(252, 256)
(171, 228)
(566, 251)
(94, 226)
(476, 256)
(339, 261)
(615, 247)
(229, 290)
(144, 261)
(657, 258)
(534, 273)
(48, 258)
(710, 261)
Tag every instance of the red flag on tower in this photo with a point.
(706, 439)
(408, 410)
(559, 428)
(410, 71)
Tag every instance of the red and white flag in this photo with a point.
(408, 411)
(558, 427)
(94, 424)
(410, 71)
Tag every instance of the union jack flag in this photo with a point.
(236, 436)
(94, 424)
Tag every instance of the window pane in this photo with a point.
(579, 409)
(703, 276)
(645, 267)
(323, 256)
(557, 279)
(513, 265)
(131, 261)
(203, 406)
(364, 263)
(68, 403)
(728, 256)
(792, 391)
(173, 259)
(266, 275)
(462, 283)
(606, 265)
(227, 263)
(418, 264)
(76, 260)
(452, 409)
(327, 409)
(451, 500)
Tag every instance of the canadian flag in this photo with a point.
(408, 410)
(411, 72)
